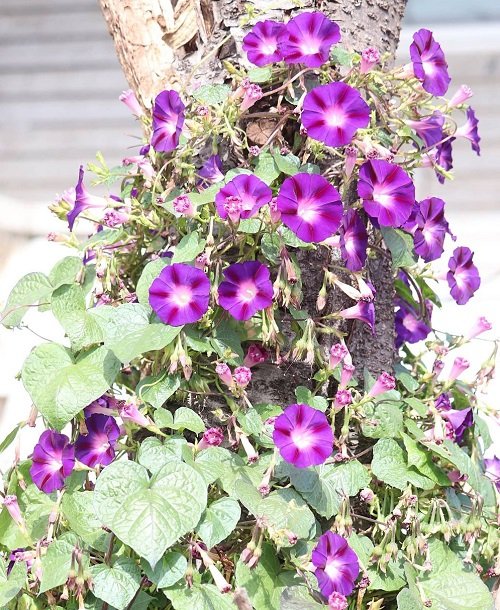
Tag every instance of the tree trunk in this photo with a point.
(159, 42)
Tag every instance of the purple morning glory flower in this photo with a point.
(429, 128)
(180, 294)
(353, 240)
(337, 565)
(303, 436)
(444, 157)
(310, 207)
(246, 289)
(430, 228)
(469, 131)
(364, 311)
(97, 448)
(462, 95)
(261, 44)
(307, 39)
(457, 420)
(53, 461)
(210, 172)
(463, 276)
(387, 191)
(242, 197)
(429, 63)
(129, 99)
(83, 200)
(492, 470)
(333, 113)
(409, 327)
(168, 120)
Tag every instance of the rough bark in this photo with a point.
(160, 42)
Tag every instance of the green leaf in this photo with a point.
(450, 585)
(288, 164)
(422, 460)
(305, 396)
(56, 564)
(212, 94)
(206, 195)
(390, 466)
(154, 453)
(401, 246)
(383, 420)
(341, 56)
(169, 570)
(266, 168)
(157, 389)
(9, 439)
(78, 509)
(128, 332)
(11, 585)
(217, 463)
(259, 75)
(250, 421)
(31, 289)
(187, 419)
(405, 378)
(68, 307)
(298, 598)
(65, 271)
(261, 583)
(270, 244)
(188, 248)
(226, 341)
(323, 487)
(150, 515)
(250, 225)
(406, 601)
(150, 272)
(107, 237)
(199, 597)
(61, 386)
(218, 521)
(116, 584)
(417, 405)
(393, 578)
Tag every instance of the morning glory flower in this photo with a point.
(492, 470)
(242, 197)
(364, 311)
(261, 44)
(97, 448)
(256, 354)
(481, 325)
(462, 95)
(429, 63)
(168, 120)
(333, 113)
(210, 172)
(307, 39)
(129, 99)
(429, 128)
(384, 383)
(353, 240)
(337, 565)
(410, 328)
(303, 436)
(83, 200)
(387, 192)
(463, 276)
(469, 131)
(310, 207)
(369, 58)
(53, 461)
(246, 289)
(430, 228)
(444, 157)
(180, 294)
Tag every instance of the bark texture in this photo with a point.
(160, 42)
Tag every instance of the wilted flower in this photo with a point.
(168, 120)
(463, 276)
(53, 461)
(11, 504)
(242, 376)
(342, 399)
(336, 564)
(337, 353)
(261, 44)
(481, 325)
(346, 375)
(180, 294)
(183, 206)
(224, 374)
(307, 39)
(245, 191)
(212, 437)
(129, 99)
(353, 240)
(256, 354)
(369, 58)
(462, 95)
(303, 436)
(129, 412)
(459, 366)
(310, 207)
(444, 158)
(251, 93)
(384, 383)
(333, 113)
(246, 289)
(337, 601)
(429, 63)
(97, 448)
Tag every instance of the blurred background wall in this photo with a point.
(59, 88)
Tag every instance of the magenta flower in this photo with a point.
(457, 422)
(462, 95)
(12, 505)
(460, 365)
(303, 436)
(256, 354)
(364, 311)
(183, 206)
(168, 120)
(242, 197)
(342, 399)
(463, 276)
(353, 240)
(333, 113)
(97, 448)
(430, 229)
(129, 99)
(180, 294)
(492, 470)
(210, 172)
(53, 461)
(481, 325)
(338, 352)
(410, 328)
(346, 375)
(130, 413)
(251, 94)
(444, 158)
(246, 289)
(261, 44)
(387, 191)
(429, 128)
(469, 131)
(307, 39)
(310, 207)
(337, 601)
(212, 437)
(369, 58)
(224, 374)
(384, 383)
(83, 200)
(336, 564)
(429, 63)
(242, 376)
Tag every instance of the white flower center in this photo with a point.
(182, 296)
